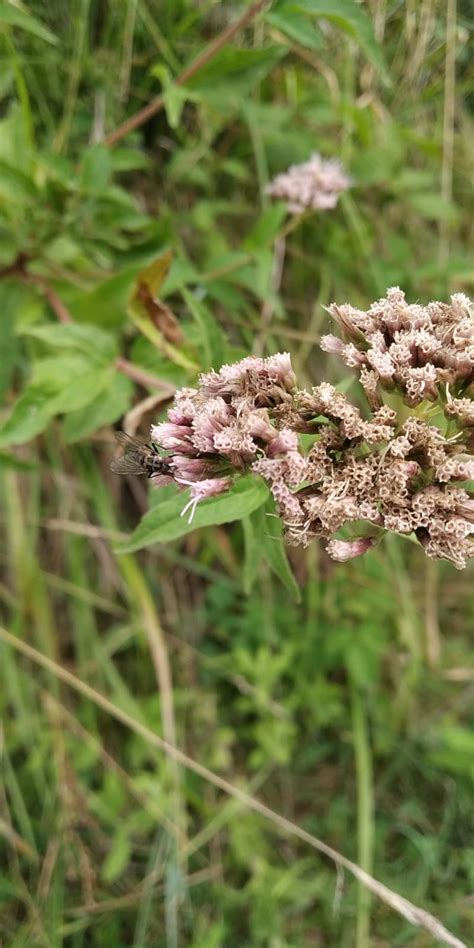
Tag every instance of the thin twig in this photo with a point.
(167, 389)
(133, 418)
(204, 57)
(57, 305)
(413, 914)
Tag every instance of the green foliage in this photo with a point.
(164, 522)
(340, 695)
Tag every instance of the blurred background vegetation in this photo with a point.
(347, 711)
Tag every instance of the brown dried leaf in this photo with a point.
(145, 299)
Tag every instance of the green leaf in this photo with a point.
(181, 274)
(352, 18)
(57, 373)
(97, 344)
(269, 530)
(129, 159)
(295, 26)
(10, 462)
(111, 404)
(266, 226)
(74, 381)
(252, 556)
(432, 206)
(236, 68)
(212, 342)
(96, 169)
(15, 186)
(164, 522)
(174, 96)
(118, 856)
(106, 304)
(12, 297)
(12, 16)
(81, 390)
(30, 416)
(15, 142)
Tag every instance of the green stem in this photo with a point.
(365, 813)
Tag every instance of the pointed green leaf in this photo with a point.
(269, 530)
(12, 16)
(212, 342)
(164, 522)
(353, 19)
(97, 344)
(30, 416)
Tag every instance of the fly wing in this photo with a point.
(128, 441)
(127, 465)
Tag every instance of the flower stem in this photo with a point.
(365, 812)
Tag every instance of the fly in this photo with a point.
(139, 458)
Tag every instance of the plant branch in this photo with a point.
(143, 377)
(204, 57)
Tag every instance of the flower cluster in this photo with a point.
(224, 426)
(316, 184)
(411, 348)
(379, 472)
(404, 478)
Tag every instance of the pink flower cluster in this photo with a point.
(224, 426)
(316, 184)
(416, 350)
(404, 474)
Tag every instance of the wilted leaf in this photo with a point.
(162, 317)
(145, 302)
(153, 318)
(154, 275)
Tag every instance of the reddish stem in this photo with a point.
(204, 57)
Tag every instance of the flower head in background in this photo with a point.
(409, 348)
(316, 184)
